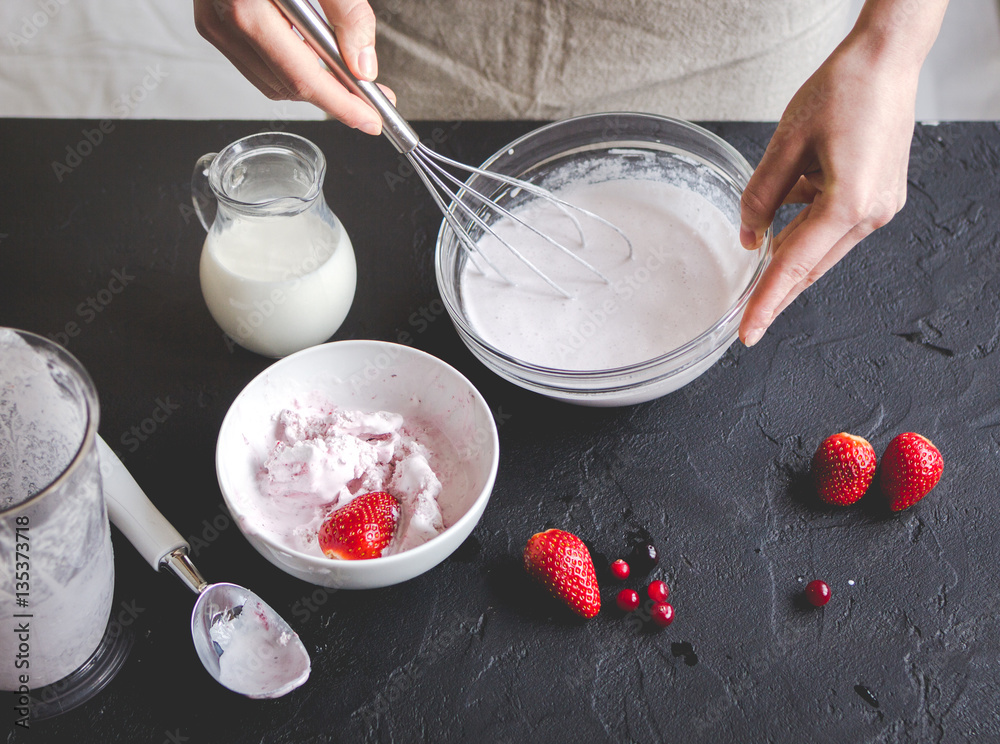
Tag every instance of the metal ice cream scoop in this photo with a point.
(243, 643)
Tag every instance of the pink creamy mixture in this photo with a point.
(324, 457)
(687, 270)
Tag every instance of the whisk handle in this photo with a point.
(318, 34)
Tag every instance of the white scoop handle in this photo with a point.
(134, 514)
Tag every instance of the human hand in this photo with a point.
(842, 148)
(261, 44)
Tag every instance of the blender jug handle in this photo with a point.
(202, 197)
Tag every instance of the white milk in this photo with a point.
(687, 270)
(278, 286)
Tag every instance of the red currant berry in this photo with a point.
(628, 600)
(818, 593)
(619, 569)
(658, 591)
(662, 614)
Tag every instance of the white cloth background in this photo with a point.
(118, 58)
(542, 59)
(144, 59)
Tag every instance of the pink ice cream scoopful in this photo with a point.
(324, 457)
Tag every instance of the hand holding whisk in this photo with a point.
(450, 193)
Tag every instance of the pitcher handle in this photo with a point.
(205, 205)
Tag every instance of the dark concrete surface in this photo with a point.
(902, 335)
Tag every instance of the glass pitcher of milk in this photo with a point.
(277, 268)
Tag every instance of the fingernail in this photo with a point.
(748, 238)
(370, 127)
(753, 336)
(367, 64)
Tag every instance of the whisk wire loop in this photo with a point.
(473, 213)
(534, 190)
(463, 190)
(430, 165)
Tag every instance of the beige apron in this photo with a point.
(544, 59)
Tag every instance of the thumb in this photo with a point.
(778, 171)
(354, 22)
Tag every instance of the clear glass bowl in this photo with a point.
(669, 150)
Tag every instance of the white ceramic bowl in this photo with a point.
(669, 151)
(368, 376)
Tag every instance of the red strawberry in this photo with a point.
(362, 529)
(911, 467)
(562, 562)
(843, 468)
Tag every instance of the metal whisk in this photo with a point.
(452, 195)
